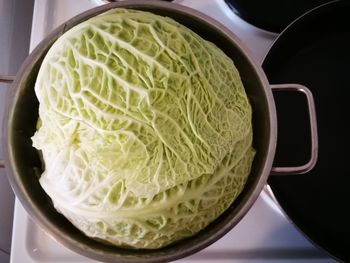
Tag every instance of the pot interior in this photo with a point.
(24, 166)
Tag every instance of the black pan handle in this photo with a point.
(313, 128)
(8, 80)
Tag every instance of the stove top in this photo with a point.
(272, 15)
(263, 235)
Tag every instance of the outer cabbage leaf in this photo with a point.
(145, 129)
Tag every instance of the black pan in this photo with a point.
(315, 51)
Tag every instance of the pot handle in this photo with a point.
(8, 80)
(313, 128)
(280, 87)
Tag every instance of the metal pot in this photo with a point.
(23, 165)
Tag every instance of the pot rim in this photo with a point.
(109, 256)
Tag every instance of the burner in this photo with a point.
(271, 15)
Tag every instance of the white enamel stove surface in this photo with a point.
(264, 234)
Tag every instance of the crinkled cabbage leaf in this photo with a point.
(144, 128)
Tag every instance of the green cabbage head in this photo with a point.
(144, 128)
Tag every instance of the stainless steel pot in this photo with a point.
(23, 165)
